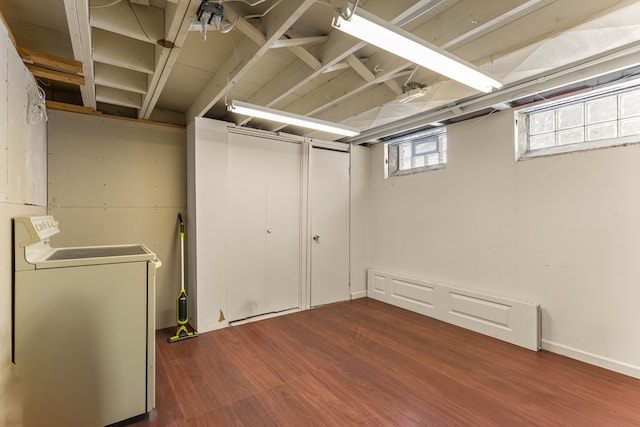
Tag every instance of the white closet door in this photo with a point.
(247, 228)
(283, 226)
(264, 226)
(329, 226)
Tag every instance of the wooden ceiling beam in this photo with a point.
(50, 61)
(58, 76)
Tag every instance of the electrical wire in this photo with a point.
(355, 6)
(138, 20)
(38, 109)
(100, 6)
(267, 11)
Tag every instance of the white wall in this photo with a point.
(559, 231)
(23, 189)
(114, 181)
(359, 208)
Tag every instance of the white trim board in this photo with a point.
(592, 359)
(359, 294)
(507, 320)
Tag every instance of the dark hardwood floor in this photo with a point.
(365, 363)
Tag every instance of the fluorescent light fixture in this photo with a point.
(371, 29)
(247, 109)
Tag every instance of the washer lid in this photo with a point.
(91, 255)
(96, 252)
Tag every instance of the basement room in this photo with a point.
(319, 213)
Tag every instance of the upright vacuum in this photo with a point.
(182, 302)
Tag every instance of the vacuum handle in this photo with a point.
(181, 224)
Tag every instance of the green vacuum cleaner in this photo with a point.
(182, 302)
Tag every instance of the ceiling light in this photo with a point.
(371, 29)
(247, 109)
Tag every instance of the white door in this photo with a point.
(264, 226)
(329, 226)
(283, 226)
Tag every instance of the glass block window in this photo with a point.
(609, 118)
(417, 152)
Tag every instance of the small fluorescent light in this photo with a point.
(247, 109)
(371, 29)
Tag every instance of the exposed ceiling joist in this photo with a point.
(77, 12)
(302, 41)
(178, 18)
(619, 59)
(142, 58)
(278, 22)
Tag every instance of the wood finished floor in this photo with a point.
(365, 363)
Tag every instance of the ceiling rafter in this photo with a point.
(77, 12)
(392, 66)
(178, 18)
(276, 23)
(337, 48)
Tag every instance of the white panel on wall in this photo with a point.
(207, 223)
(4, 137)
(21, 183)
(516, 322)
(115, 181)
(26, 149)
(561, 231)
(359, 207)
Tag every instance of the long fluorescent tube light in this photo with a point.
(373, 30)
(247, 109)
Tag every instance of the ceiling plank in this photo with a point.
(123, 98)
(139, 22)
(276, 23)
(123, 51)
(58, 76)
(51, 61)
(6, 25)
(120, 78)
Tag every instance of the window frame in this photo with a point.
(522, 118)
(415, 139)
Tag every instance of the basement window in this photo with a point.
(607, 118)
(416, 152)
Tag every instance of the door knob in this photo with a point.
(316, 238)
(269, 230)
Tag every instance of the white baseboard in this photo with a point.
(505, 319)
(592, 359)
(359, 294)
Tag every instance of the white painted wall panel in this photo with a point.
(560, 231)
(359, 208)
(14, 194)
(4, 107)
(115, 181)
(207, 223)
(513, 321)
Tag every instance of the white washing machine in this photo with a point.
(83, 328)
